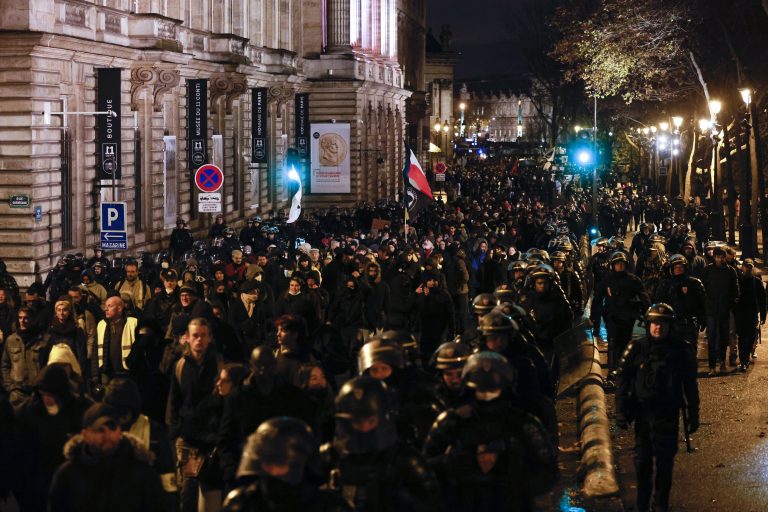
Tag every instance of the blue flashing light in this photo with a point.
(593, 231)
(584, 157)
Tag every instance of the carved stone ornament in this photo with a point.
(162, 79)
(279, 94)
(229, 85)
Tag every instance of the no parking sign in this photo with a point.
(209, 178)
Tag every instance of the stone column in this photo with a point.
(337, 26)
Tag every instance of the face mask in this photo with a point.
(164, 265)
(52, 410)
(487, 396)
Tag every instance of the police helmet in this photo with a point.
(657, 238)
(450, 356)
(488, 371)
(660, 312)
(559, 256)
(229, 232)
(483, 303)
(378, 350)
(601, 242)
(677, 259)
(504, 294)
(358, 399)
(496, 321)
(542, 270)
(281, 441)
(517, 266)
(618, 257)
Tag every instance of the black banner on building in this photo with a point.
(259, 125)
(302, 125)
(108, 126)
(197, 123)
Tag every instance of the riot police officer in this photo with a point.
(500, 335)
(410, 389)
(277, 465)
(657, 379)
(368, 464)
(548, 308)
(571, 283)
(620, 299)
(448, 361)
(491, 455)
(597, 270)
(687, 297)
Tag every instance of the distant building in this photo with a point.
(439, 79)
(502, 110)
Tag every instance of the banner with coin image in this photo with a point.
(108, 126)
(330, 158)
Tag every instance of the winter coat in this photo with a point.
(122, 482)
(722, 286)
(252, 330)
(21, 364)
(45, 436)
(751, 301)
(620, 296)
(457, 274)
(191, 384)
(303, 304)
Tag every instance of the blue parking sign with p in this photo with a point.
(113, 217)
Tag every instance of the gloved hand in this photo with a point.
(693, 423)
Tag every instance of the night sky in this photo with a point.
(479, 33)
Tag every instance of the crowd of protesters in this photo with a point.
(328, 365)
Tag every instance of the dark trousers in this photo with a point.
(619, 335)
(747, 336)
(655, 441)
(717, 337)
(461, 307)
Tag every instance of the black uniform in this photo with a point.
(512, 443)
(687, 297)
(620, 299)
(657, 379)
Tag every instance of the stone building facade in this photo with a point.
(502, 110)
(344, 53)
(439, 77)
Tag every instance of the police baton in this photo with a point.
(688, 446)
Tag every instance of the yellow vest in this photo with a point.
(127, 339)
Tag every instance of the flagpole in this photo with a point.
(405, 194)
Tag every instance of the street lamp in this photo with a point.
(437, 127)
(577, 128)
(746, 96)
(714, 108)
(677, 121)
(664, 126)
(705, 125)
(462, 106)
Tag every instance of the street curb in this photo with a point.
(597, 464)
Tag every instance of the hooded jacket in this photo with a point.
(121, 482)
